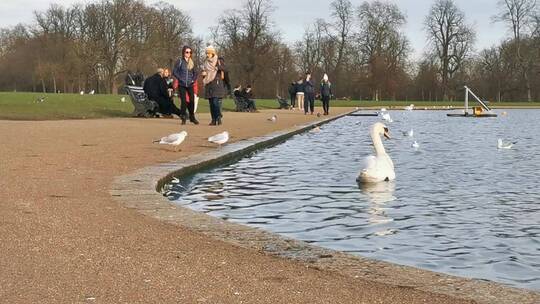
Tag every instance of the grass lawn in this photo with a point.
(24, 106)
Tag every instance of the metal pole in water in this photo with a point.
(466, 100)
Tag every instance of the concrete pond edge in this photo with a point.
(141, 190)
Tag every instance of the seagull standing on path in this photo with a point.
(173, 140)
(220, 138)
(504, 145)
(273, 118)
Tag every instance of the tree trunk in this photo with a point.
(43, 85)
(54, 85)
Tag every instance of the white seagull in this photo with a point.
(273, 118)
(315, 130)
(409, 133)
(410, 107)
(81, 92)
(91, 92)
(415, 145)
(386, 117)
(220, 138)
(173, 140)
(123, 99)
(504, 145)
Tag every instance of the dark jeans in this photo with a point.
(215, 108)
(293, 100)
(325, 103)
(309, 101)
(190, 106)
(166, 106)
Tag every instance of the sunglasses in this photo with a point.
(187, 52)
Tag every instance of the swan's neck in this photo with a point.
(377, 143)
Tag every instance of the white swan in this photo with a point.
(380, 167)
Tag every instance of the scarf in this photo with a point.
(210, 67)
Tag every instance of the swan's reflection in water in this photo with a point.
(379, 195)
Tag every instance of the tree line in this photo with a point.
(361, 47)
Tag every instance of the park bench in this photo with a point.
(241, 104)
(143, 107)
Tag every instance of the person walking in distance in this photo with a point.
(214, 87)
(300, 94)
(326, 93)
(184, 71)
(309, 98)
(292, 94)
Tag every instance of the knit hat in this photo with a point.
(210, 49)
(325, 77)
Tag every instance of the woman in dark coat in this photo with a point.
(184, 71)
(309, 98)
(326, 93)
(214, 87)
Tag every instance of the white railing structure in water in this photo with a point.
(482, 103)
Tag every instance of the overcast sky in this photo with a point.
(292, 16)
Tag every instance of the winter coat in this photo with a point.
(299, 87)
(292, 89)
(216, 88)
(308, 87)
(185, 77)
(155, 87)
(326, 89)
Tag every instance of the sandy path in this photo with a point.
(63, 239)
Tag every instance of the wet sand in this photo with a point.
(64, 239)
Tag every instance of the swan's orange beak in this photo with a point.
(386, 133)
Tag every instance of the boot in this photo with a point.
(183, 119)
(219, 121)
(193, 120)
(213, 123)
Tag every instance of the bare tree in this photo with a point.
(451, 37)
(343, 14)
(518, 14)
(246, 37)
(382, 46)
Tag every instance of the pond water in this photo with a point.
(458, 205)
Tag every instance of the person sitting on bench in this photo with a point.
(156, 89)
(247, 93)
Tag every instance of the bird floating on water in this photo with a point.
(378, 167)
(173, 140)
(409, 107)
(386, 117)
(505, 145)
(273, 118)
(409, 133)
(220, 138)
(315, 130)
(415, 145)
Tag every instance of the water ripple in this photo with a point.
(458, 206)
